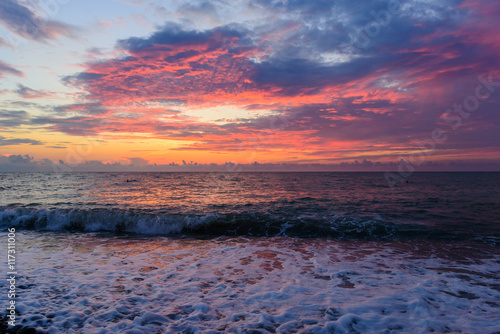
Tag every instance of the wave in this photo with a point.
(233, 224)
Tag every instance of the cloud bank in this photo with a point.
(26, 163)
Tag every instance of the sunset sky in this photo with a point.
(298, 81)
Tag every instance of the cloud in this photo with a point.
(18, 141)
(76, 125)
(172, 63)
(57, 147)
(304, 61)
(174, 34)
(26, 163)
(7, 69)
(13, 118)
(138, 161)
(18, 162)
(29, 93)
(181, 128)
(4, 43)
(91, 108)
(29, 24)
(20, 159)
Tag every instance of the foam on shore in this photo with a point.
(90, 283)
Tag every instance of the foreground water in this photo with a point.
(256, 252)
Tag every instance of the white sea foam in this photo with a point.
(89, 283)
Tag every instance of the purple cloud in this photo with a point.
(28, 24)
(29, 93)
(8, 69)
(18, 141)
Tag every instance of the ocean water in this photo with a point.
(253, 252)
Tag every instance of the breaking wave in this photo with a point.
(210, 225)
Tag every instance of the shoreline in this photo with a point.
(89, 282)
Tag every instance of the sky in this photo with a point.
(398, 84)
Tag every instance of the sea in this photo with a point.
(250, 253)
